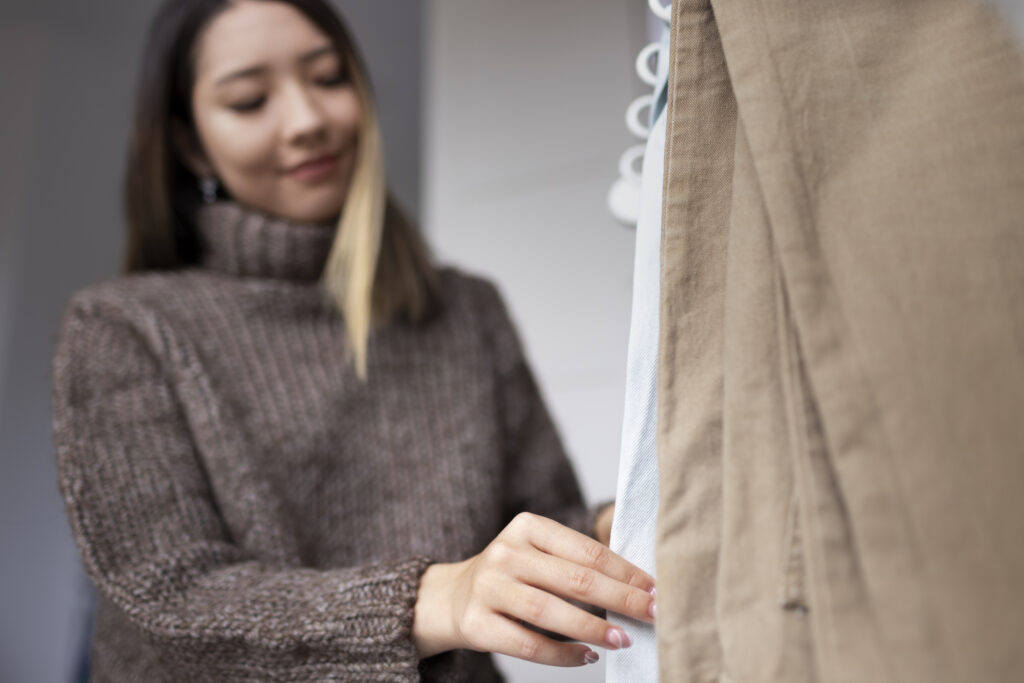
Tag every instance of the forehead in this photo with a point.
(255, 32)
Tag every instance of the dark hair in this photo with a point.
(379, 267)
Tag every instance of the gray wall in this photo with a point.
(66, 72)
(68, 69)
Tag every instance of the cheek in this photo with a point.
(345, 113)
(238, 147)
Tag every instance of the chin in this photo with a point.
(312, 211)
(313, 205)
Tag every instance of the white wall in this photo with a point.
(525, 104)
(68, 70)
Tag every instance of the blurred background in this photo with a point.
(503, 123)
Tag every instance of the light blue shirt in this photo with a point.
(636, 499)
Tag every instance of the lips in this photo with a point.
(314, 169)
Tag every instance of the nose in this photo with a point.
(304, 120)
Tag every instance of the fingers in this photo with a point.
(554, 539)
(509, 638)
(553, 614)
(574, 581)
(525, 573)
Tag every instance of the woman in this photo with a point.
(283, 432)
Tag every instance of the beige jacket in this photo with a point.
(841, 398)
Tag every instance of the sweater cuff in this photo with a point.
(389, 629)
(360, 628)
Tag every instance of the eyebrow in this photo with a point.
(250, 72)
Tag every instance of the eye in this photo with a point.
(248, 106)
(333, 80)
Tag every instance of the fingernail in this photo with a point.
(653, 591)
(590, 657)
(617, 638)
(652, 610)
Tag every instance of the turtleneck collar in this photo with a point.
(244, 242)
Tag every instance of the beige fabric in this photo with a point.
(841, 381)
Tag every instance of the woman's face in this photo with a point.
(276, 113)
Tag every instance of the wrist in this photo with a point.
(603, 523)
(433, 628)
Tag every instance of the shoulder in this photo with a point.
(117, 300)
(150, 293)
(137, 305)
(476, 301)
(464, 290)
(129, 293)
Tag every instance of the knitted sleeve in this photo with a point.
(539, 476)
(148, 529)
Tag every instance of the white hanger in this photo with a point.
(643, 64)
(663, 12)
(624, 195)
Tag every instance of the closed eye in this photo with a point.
(334, 80)
(248, 106)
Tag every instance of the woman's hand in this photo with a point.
(524, 576)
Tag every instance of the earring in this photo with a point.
(208, 188)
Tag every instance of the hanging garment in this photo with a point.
(841, 352)
(636, 509)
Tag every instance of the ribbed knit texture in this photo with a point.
(250, 511)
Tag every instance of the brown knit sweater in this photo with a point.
(250, 511)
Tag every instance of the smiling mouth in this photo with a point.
(315, 169)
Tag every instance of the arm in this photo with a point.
(152, 541)
(539, 475)
(526, 574)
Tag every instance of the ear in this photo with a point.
(190, 151)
